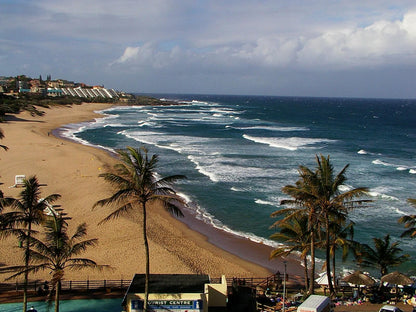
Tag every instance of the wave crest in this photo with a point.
(292, 143)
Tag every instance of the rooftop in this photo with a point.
(169, 283)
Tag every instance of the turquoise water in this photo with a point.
(240, 151)
(87, 305)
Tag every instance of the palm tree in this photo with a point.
(384, 255)
(1, 193)
(136, 184)
(409, 221)
(318, 194)
(58, 252)
(1, 137)
(301, 204)
(28, 211)
(295, 235)
(341, 238)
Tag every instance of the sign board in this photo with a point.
(168, 305)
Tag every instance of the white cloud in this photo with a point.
(248, 41)
(378, 44)
(130, 53)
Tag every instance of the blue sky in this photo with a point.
(279, 47)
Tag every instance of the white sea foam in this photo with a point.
(362, 152)
(149, 138)
(345, 188)
(382, 193)
(203, 170)
(398, 211)
(411, 169)
(236, 189)
(292, 143)
(220, 169)
(194, 102)
(273, 128)
(264, 202)
(185, 197)
(70, 131)
(379, 162)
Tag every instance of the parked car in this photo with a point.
(390, 308)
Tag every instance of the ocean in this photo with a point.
(239, 151)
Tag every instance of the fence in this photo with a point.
(124, 284)
(69, 285)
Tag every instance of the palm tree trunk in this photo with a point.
(328, 258)
(146, 247)
(26, 275)
(312, 273)
(57, 293)
(334, 271)
(305, 265)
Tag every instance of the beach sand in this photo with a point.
(72, 170)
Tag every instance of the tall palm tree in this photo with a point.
(137, 184)
(409, 221)
(295, 235)
(58, 252)
(318, 193)
(332, 203)
(385, 254)
(302, 204)
(28, 210)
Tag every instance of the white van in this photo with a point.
(315, 303)
(389, 308)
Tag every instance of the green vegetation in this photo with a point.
(33, 101)
(385, 254)
(409, 221)
(317, 195)
(317, 217)
(57, 252)
(136, 184)
(28, 211)
(295, 235)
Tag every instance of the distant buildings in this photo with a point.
(59, 87)
(87, 92)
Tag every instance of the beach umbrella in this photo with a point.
(359, 278)
(322, 280)
(396, 278)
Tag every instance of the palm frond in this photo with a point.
(82, 246)
(412, 201)
(117, 213)
(80, 232)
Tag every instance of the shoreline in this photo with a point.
(229, 242)
(175, 245)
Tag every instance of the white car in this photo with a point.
(390, 308)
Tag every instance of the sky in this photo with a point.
(338, 48)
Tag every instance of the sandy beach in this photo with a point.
(72, 170)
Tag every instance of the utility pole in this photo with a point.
(284, 287)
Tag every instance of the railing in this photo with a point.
(124, 284)
(68, 285)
